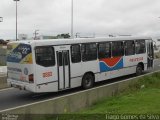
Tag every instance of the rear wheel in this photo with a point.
(139, 70)
(87, 81)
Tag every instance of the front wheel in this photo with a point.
(87, 81)
(139, 70)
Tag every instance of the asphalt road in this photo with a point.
(11, 98)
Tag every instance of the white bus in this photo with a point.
(56, 65)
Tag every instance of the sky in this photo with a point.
(91, 17)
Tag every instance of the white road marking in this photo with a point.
(74, 93)
(6, 89)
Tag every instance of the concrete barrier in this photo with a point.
(76, 101)
(3, 69)
(3, 81)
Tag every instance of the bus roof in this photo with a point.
(79, 40)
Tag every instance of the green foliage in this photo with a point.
(139, 102)
(141, 98)
(152, 81)
(63, 35)
(2, 64)
(157, 55)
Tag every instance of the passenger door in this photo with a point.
(150, 54)
(63, 63)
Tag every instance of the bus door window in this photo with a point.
(63, 58)
(60, 60)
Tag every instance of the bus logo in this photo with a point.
(47, 74)
(136, 59)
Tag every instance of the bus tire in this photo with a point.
(87, 81)
(139, 70)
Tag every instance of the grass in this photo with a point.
(157, 55)
(2, 64)
(141, 98)
(145, 101)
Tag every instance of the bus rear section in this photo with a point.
(20, 66)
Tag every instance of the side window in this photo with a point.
(117, 49)
(89, 52)
(75, 53)
(45, 56)
(129, 48)
(140, 46)
(104, 50)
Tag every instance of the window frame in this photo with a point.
(54, 55)
(79, 52)
(127, 49)
(118, 49)
(85, 49)
(110, 54)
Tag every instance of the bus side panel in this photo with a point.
(76, 74)
(131, 62)
(18, 75)
(79, 69)
(91, 66)
(110, 68)
(46, 78)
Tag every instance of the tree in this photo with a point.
(64, 35)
